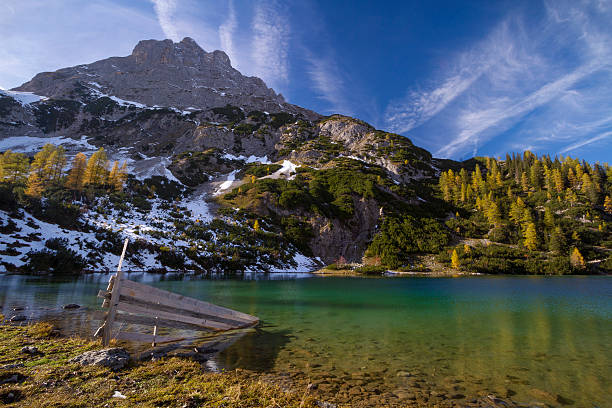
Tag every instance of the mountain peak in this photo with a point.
(164, 73)
(166, 52)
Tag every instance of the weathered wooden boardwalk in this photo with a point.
(136, 303)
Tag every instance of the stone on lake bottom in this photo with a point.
(71, 306)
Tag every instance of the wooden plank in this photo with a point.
(151, 321)
(159, 296)
(136, 309)
(111, 283)
(115, 294)
(154, 334)
(103, 294)
(155, 295)
(160, 307)
(146, 338)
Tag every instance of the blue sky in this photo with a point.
(458, 78)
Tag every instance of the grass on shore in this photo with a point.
(49, 380)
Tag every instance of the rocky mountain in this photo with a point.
(235, 149)
(163, 73)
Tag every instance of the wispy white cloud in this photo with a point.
(500, 110)
(270, 52)
(518, 74)
(165, 9)
(497, 52)
(577, 145)
(329, 83)
(227, 31)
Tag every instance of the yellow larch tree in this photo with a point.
(576, 259)
(531, 237)
(97, 168)
(76, 176)
(455, 259)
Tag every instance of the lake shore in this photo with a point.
(36, 370)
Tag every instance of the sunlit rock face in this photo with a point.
(163, 73)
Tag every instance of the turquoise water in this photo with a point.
(529, 338)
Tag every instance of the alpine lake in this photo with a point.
(543, 341)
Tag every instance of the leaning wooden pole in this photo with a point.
(114, 300)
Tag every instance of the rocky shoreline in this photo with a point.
(36, 361)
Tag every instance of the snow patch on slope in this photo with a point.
(286, 171)
(303, 264)
(31, 144)
(250, 159)
(227, 183)
(24, 98)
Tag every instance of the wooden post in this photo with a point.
(154, 333)
(112, 310)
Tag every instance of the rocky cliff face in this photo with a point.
(163, 73)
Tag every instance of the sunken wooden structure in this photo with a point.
(136, 303)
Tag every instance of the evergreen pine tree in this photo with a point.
(536, 175)
(557, 243)
(549, 218)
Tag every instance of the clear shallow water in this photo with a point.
(533, 339)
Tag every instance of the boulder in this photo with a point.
(113, 358)
(30, 350)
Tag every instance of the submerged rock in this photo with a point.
(70, 306)
(113, 358)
